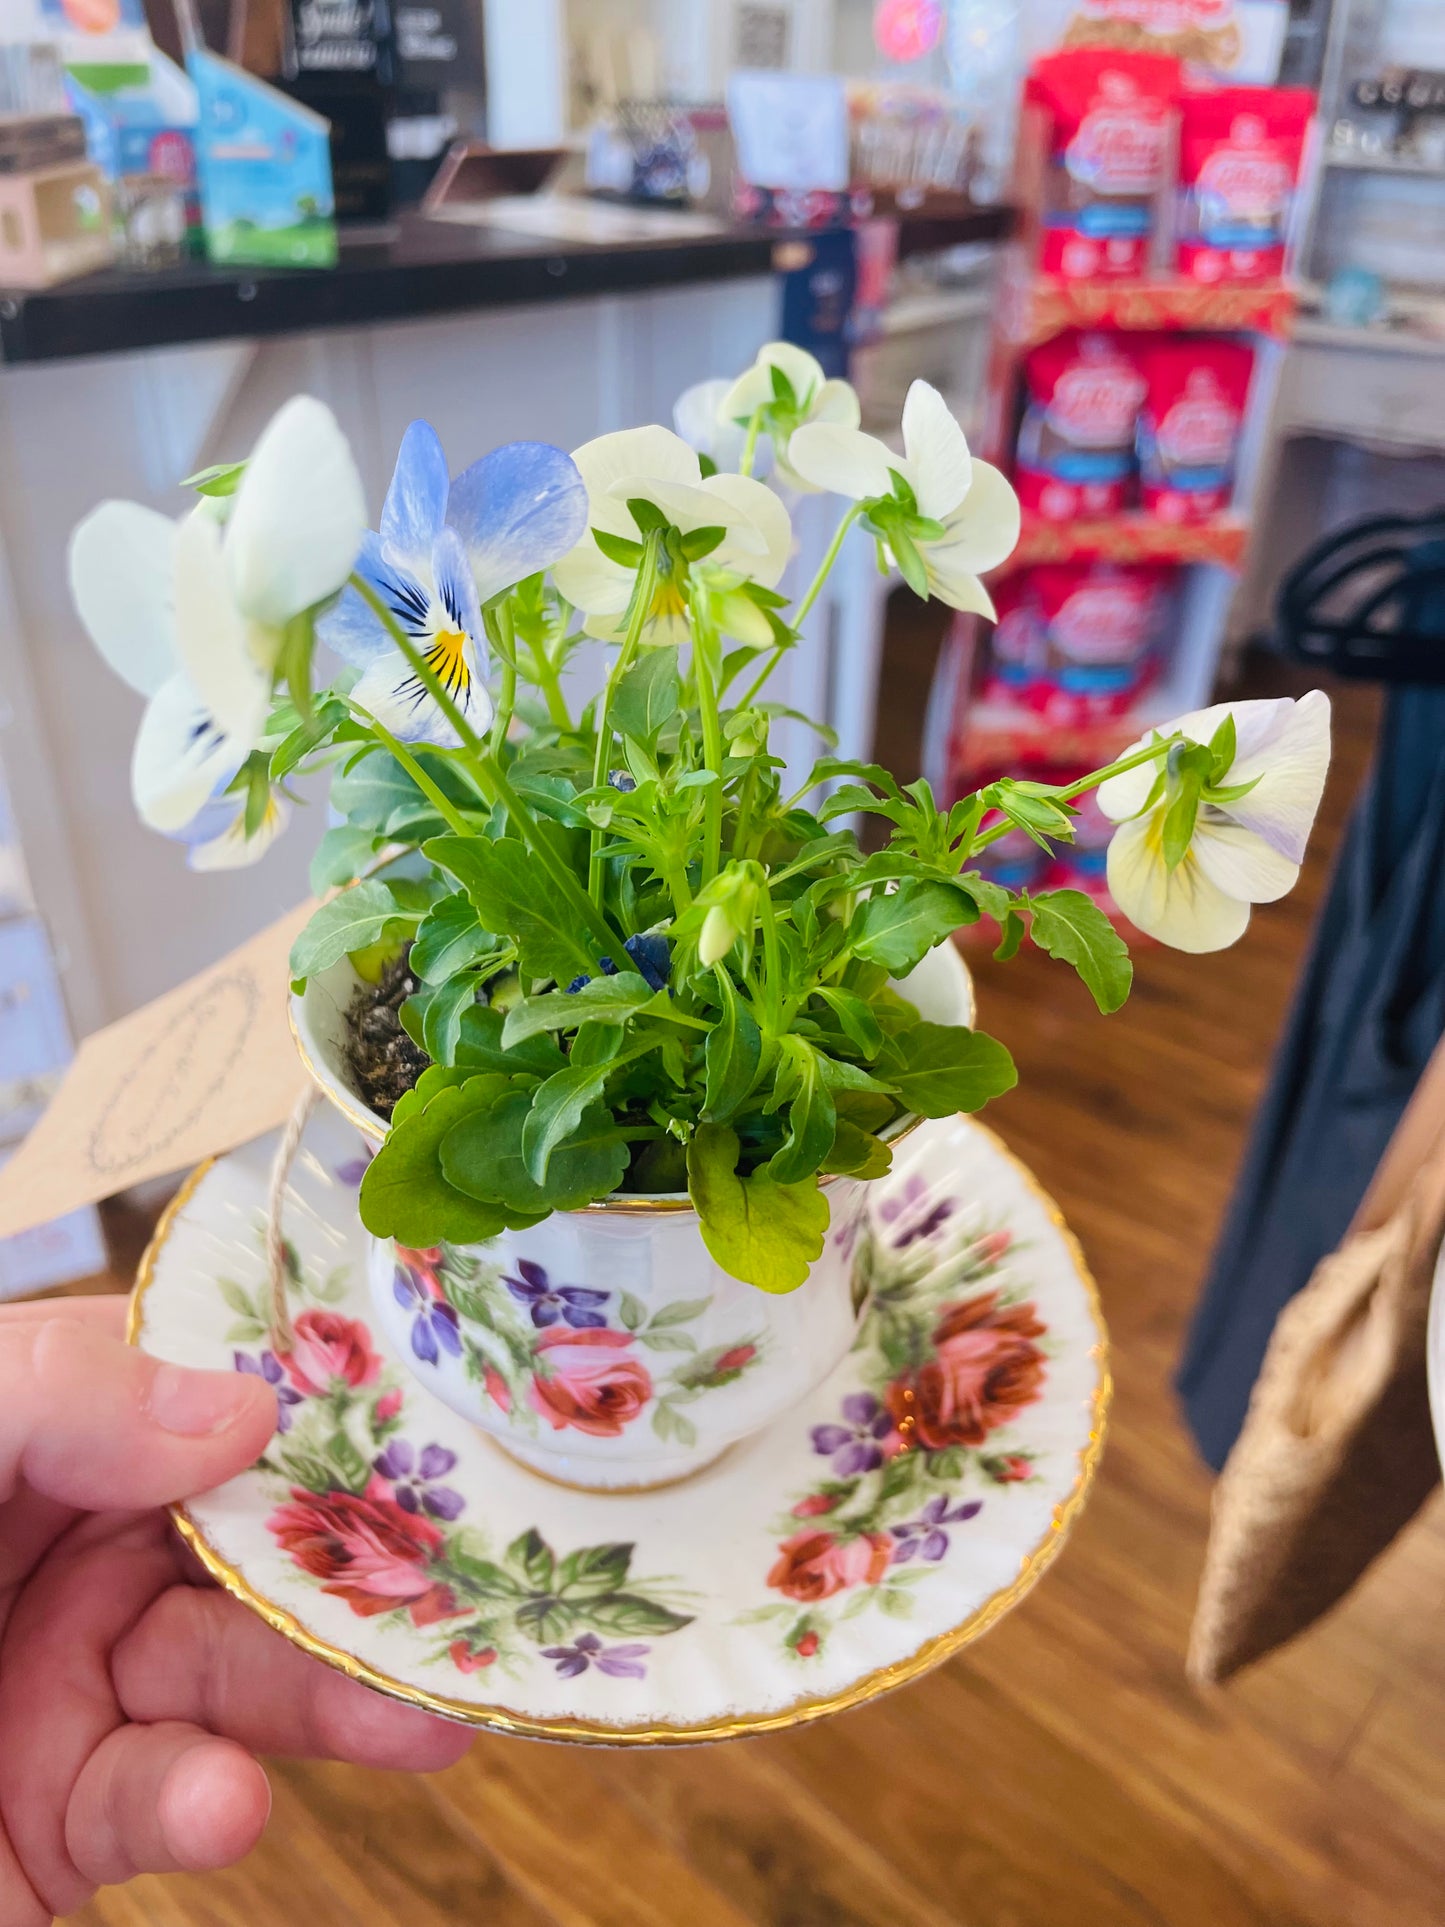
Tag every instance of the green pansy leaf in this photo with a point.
(358, 917)
(442, 1008)
(604, 1000)
(648, 695)
(405, 1193)
(343, 853)
(855, 1018)
(1071, 926)
(811, 1118)
(436, 1077)
(448, 939)
(483, 1157)
(618, 548)
(856, 1153)
(941, 1068)
(513, 893)
(764, 1233)
(221, 478)
(480, 1045)
(731, 1054)
(898, 930)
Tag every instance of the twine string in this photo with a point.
(276, 1267)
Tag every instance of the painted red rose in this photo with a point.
(327, 1347)
(585, 1382)
(807, 1646)
(815, 1565)
(993, 1246)
(985, 1368)
(498, 1391)
(1010, 1469)
(365, 1550)
(736, 1360)
(466, 1661)
(387, 1406)
(814, 1506)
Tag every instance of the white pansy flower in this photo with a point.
(697, 416)
(786, 388)
(192, 614)
(1246, 845)
(955, 516)
(655, 466)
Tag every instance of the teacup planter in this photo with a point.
(650, 1018)
(606, 1347)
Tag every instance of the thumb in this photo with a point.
(94, 1423)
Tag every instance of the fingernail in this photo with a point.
(196, 1404)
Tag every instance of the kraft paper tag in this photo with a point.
(202, 1069)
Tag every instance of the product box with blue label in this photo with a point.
(265, 171)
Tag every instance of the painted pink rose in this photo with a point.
(584, 1381)
(807, 1646)
(814, 1506)
(326, 1348)
(993, 1246)
(985, 1368)
(367, 1551)
(388, 1405)
(498, 1390)
(815, 1565)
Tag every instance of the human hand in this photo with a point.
(133, 1694)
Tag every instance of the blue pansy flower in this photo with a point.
(444, 549)
(651, 955)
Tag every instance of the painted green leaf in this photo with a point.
(765, 1233)
(533, 1556)
(629, 1613)
(941, 1068)
(898, 930)
(513, 893)
(405, 1193)
(1071, 926)
(358, 917)
(593, 1570)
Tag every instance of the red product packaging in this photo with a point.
(1190, 424)
(1240, 152)
(1102, 625)
(1076, 440)
(1111, 120)
(1016, 650)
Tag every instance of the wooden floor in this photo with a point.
(1059, 1774)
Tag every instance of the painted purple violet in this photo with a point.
(435, 1326)
(619, 1662)
(924, 1537)
(854, 1447)
(268, 1366)
(413, 1479)
(575, 1305)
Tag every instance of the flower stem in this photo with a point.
(642, 594)
(1150, 754)
(704, 641)
(429, 788)
(825, 567)
(489, 776)
(504, 640)
(750, 445)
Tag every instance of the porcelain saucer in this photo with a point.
(911, 1501)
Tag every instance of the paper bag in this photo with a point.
(199, 1071)
(1337, 1453)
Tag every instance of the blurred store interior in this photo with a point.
(546, 219)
